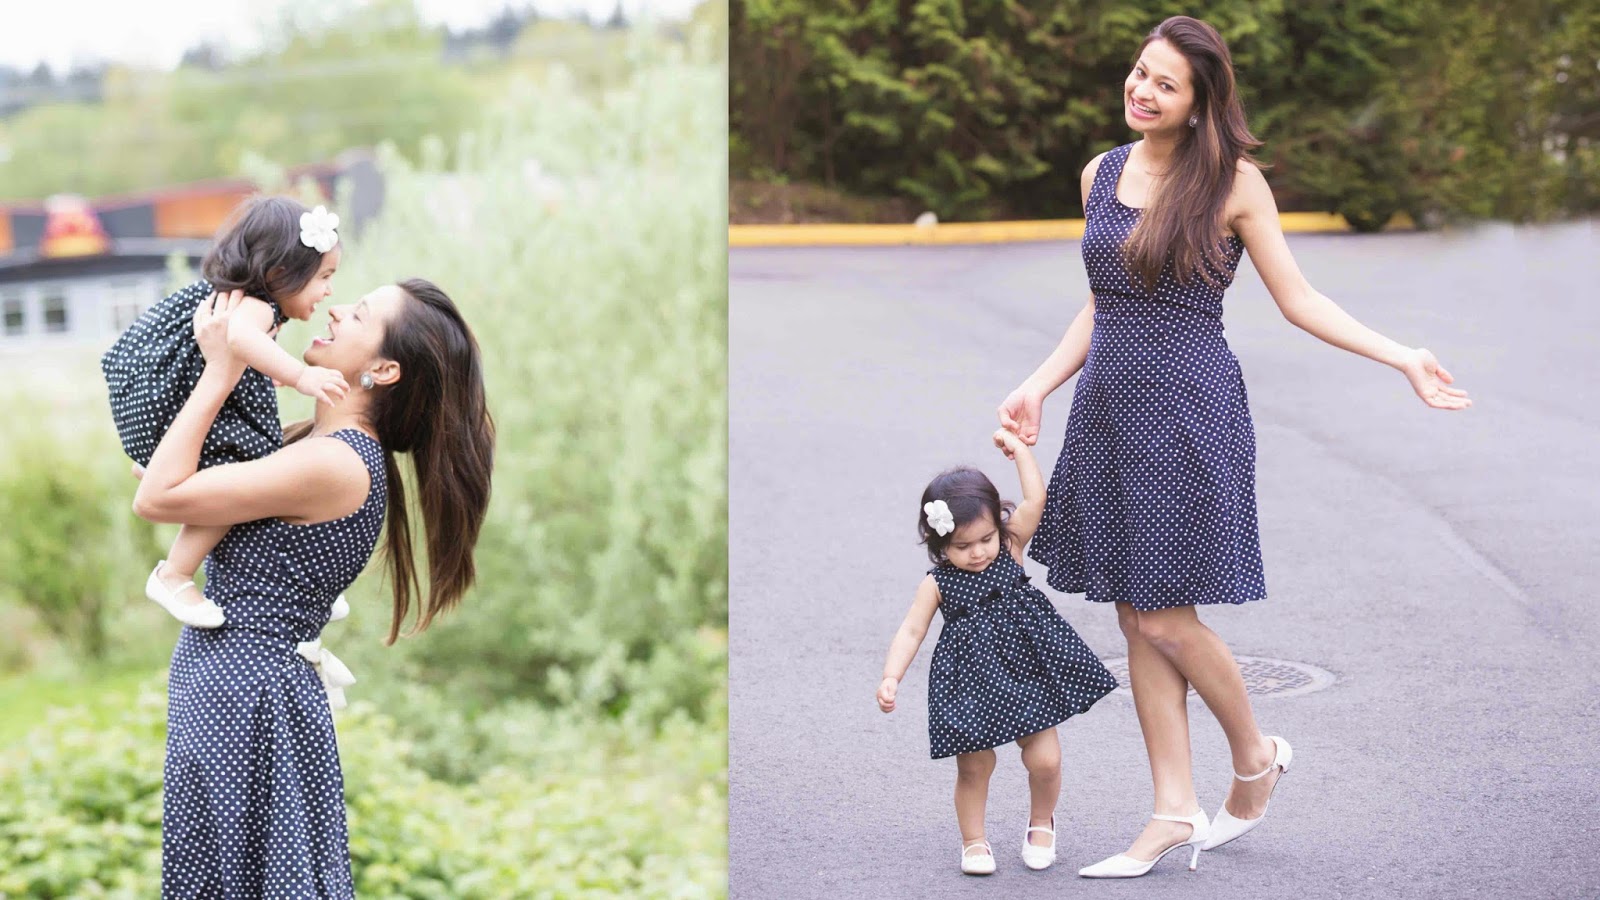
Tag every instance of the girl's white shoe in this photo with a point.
(1125, 866)
(977, 863)
(204, 614)
(341, 609)
(1227, 827)
(1038, 856)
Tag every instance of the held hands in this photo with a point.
(1009, 443)
(1020, 415)
(326, 385)
(1431, 381)
(886, 692)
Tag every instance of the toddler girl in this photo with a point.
(1006, 667)
(276, 250)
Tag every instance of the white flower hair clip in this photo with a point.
(939, 517)
(317, 229)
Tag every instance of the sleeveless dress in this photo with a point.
(152, 369)
(253, 799)
(1006, 664)
(1152, 501)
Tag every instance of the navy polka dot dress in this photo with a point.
(1006, 664)
(1152, 501)
(253, 799)
(152, 369)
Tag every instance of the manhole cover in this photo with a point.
(1263, 676)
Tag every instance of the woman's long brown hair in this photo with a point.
(438, 414)
(1184, 221)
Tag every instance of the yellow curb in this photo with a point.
(827, 235)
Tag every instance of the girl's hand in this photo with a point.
(1431, 381)
(211, 326)
(327, 385)
(1008, 443)
(1021, 412)
(886, 692)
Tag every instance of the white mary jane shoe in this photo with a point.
(1125, 866)
(1228, 827)
(341, 609)
(979, 864)
(1037, 856)
(204, 614)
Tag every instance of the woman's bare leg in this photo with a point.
(1160, 697)
(1205, 660)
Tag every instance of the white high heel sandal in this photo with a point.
(1037, 856)
(1227, 827)
(204, 614)
(1125, 866)
(982, 864)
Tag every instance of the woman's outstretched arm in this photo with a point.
(1256, 223)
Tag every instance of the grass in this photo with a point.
(29, 698)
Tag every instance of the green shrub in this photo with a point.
(578, 809)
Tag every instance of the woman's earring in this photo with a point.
(366, 380)
(1193, 121)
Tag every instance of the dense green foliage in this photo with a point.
(992, 108)
(564, 732)
(576, 808)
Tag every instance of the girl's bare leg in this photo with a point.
(1041, 755)
(972, 793)
(184, 559)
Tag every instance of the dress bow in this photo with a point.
(334, 673)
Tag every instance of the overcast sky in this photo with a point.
(156, 32)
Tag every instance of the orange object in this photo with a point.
(71, 228)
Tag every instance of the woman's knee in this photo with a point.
(975, 766)
(1128, 620)
(1167, 628)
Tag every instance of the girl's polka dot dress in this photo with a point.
(1006, 664)
(152, 369)
(1153, 501)
(253, 799)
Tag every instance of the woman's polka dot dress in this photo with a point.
(152, 369)
(253, 799)
(1006, 664)
(1152, 501)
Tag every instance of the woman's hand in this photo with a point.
(211, 328)
(886, 692)
(1431, 381)
(1021, 412)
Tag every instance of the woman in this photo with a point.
(253, 799)
(1152, 502)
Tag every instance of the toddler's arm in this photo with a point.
(1025, 519)
(247, 338)
(907, 641)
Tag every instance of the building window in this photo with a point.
(16, 321)
(55, 313)
(126, 304)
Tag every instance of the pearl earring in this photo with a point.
(1193, 121)
(366, 380)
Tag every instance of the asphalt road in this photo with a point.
(1442, 565)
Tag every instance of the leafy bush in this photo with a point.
(582, 809)
(72, 547)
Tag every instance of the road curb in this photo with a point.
(831, 235)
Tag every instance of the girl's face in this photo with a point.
(355, 334)
(973, 546)
(318, 289)
(1158, 96)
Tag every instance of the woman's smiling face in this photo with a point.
(1158, 95)
(355, 332)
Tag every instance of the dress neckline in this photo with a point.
(1117, 180)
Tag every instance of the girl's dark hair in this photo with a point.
(259, 251)
(1184, 220)
(437, 413)
(970, 495)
